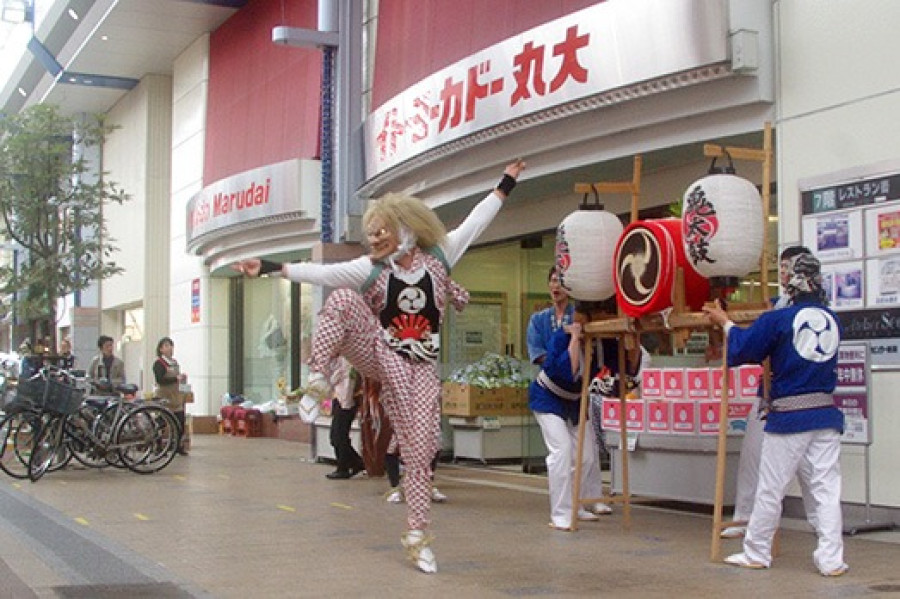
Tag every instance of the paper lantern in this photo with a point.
(647, 258)
(585, 243)
(722, 227)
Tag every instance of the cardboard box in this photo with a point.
(283, 408)
(673, 383)
(634, 415)
(612, 414)
(684, 417)
(716, 375)
(709, 411)
(749, 380)
(651, 383)
(698, 382)
(659, 416)
(458, 399)
(738, 414)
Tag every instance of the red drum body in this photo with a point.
(646, 259)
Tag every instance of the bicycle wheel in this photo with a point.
(46, 447)
(147, 439)
(105, 428)
(17, 433)
(81, 442)
(62, 457)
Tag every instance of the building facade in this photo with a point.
(222, 154)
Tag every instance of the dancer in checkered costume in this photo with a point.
(384, 317)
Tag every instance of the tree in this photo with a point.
(51, 202)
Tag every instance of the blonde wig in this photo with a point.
(399, 210)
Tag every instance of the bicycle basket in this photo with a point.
(29, 392)
(61, 398)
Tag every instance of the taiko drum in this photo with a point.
(646, 259)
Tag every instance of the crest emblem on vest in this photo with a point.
(816, 335)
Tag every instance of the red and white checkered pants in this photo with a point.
(410, 391)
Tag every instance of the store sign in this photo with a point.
(851, 394)
(605, 47)
(870, 324)
(851, 195)
(259, 193)
(195, 301)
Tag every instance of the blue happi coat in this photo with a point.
(801, 342)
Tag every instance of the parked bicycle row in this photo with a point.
(56, 416)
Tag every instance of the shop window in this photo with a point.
(266, 338)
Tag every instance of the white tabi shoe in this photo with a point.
(839, 571)
(741, 560)
(437, 496)
(416, 543)
(395, 495)
(733, 532)
(601, 509)
(586, 516)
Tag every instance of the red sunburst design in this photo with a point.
(410, 326)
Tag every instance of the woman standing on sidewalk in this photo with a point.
(169, 377)
(384, 317)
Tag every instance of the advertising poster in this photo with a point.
(847, 285)
(851, 394)
(883, 230)
(883, 282)
(834, 236)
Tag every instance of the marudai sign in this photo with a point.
(256, 194)
(604, 47)
(259, 193)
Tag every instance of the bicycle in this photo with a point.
(30, 418)
(90, 432)
(142, 437)
(18, 430)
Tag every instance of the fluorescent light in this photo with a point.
(22, 92)
(14, 11)
(73, 14)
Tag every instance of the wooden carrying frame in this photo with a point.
(680, 322)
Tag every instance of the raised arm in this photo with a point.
(351, 274)
(460, 238)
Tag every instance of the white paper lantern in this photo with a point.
(722, 226)
(585, 246)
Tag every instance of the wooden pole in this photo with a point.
(766, 198)
(623, 430)
(636, 186)
(721, 458)
(582, 423)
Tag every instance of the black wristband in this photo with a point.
(507, 184)
(267, 267)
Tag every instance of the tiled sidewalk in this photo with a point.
(255, 518)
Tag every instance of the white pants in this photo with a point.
(748, 470)
(814, 456)
(561, 438)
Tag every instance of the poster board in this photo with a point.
(851, 221)
(851, 396)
